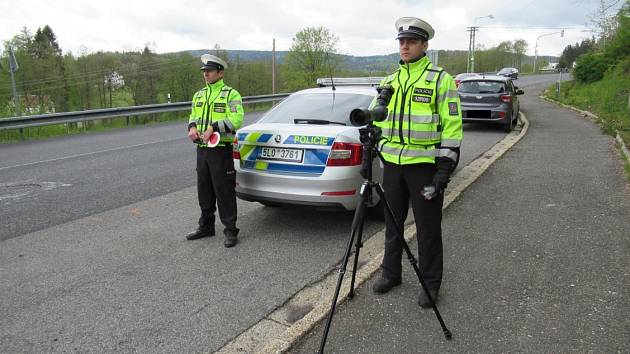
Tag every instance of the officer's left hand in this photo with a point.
(207, 134)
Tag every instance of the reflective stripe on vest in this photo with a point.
(408, 151)
(416, 134)
(447, 153)
(452, 143)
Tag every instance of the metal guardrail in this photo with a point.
(97, 114)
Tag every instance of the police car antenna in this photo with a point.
(332, 82)
(369, 136)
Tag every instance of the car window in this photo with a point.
(317, 106)
(481, 87)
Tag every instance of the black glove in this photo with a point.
(445, 167)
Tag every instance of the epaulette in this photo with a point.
(432, 72)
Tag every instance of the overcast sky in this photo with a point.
(364, 27)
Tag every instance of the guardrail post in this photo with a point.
(21, 133)
(127, 121)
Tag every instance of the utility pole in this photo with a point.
(13, 66)
(470, 29)
(471, 43)
(273, 68)
(536, 46)
(472, 55)
(470, 67)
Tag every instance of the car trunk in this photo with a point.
(480, 99)
(289, 148)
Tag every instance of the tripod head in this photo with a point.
(369, 136)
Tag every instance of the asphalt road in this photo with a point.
(93, 256)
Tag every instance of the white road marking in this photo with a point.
(88, 153)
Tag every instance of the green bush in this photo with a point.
(591, 67)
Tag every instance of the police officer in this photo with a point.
(420, 144)
(215, 108)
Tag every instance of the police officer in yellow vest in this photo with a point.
(215, 108)
(420, 144)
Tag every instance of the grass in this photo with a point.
(607, 98)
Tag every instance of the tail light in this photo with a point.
(345, 154)
(506, 98)
(501, 114)
(236, 154)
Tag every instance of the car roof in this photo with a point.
(356, 89)
(466, 74)
(482, 77)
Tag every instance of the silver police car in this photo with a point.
(305, 151)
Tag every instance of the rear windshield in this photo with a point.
(481, 87)
(319, 106)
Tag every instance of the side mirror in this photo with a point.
(520, 92)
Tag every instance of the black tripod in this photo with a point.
(369, 136)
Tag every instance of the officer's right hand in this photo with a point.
(430, 191)
(193, 134)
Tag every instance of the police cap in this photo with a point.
(211, 62)
(412, 27)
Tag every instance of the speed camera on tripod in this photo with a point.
(360, 117)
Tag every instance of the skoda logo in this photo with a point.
(278, 139)
(479, 97)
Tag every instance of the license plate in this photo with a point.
(281, 154)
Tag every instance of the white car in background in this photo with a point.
(305, 151)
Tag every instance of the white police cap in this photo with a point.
(211, 62)
(412, 27)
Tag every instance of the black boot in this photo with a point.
(424, 301)
(384, 285)
(230, 238)
(199, 233)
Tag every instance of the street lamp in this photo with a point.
(536, 46)
(471, 43)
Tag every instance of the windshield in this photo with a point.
(317, 106)
(481, 87)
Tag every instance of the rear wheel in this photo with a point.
(509, 125)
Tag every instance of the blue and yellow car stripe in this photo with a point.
(314, 158)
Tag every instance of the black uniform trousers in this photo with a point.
(216, 179)
(401, 184)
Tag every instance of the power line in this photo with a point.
(536, 27)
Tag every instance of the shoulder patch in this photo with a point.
(453, 110)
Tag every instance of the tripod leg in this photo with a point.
(358, 246)
(413, 261)
(357, 227)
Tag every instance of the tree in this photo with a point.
(520, 48)
(571, 53)
(311, 56)
(604, 22)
